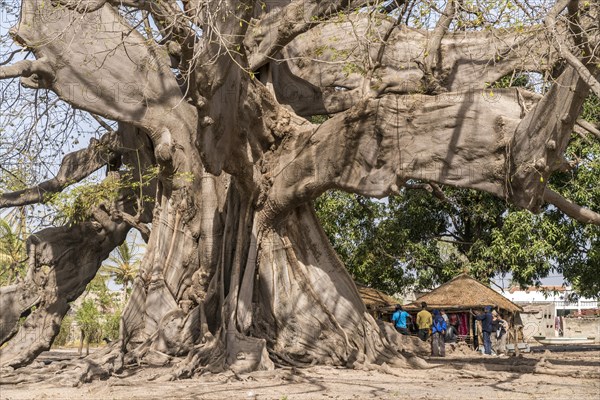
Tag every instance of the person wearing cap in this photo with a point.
(486, 326)
(399, 320)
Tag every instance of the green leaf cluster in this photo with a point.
(12, 253)
(97, 316)
(77, 203)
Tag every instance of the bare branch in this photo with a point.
(580, 38)
(582, 134)
(589, 127)
(74, 167)
(582, 70)
(10, 57)
(430, 187)
(82, 5)
(103, 124)
(581, 214)
(433, 54)
(558, 7)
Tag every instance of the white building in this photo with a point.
(545, 309)
(564, 299)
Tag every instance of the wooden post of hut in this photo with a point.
(471, 335)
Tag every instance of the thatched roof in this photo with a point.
(463, 293)
(375, 299)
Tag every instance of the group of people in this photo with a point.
(442, 329)
(494, 329)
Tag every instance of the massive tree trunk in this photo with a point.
(237, 272)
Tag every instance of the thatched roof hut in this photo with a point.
(464, 293)
(376, 300)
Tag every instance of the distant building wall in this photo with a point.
(582, 327)
(538, 320)
(556, 294)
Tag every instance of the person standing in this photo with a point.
(486, 327)
(399, 320)
(438, 332)
(501, 334)
(445, 316)
(495, 327)
(424, 321)
(452, 329)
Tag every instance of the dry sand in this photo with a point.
(550, 375)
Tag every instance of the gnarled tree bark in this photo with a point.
(237, 273)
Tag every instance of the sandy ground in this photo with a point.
(572, 375)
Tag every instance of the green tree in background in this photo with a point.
(98, 314)
(88, 319)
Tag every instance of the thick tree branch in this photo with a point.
(533, 158)
(582, 70)
(74, 167)
(225, 25)
(575, 211)
(110, 70)
(62, 261)
(320, 72)
(379, 144)
(280, 26)
(26, 68)
(432, 62)
(589, 127)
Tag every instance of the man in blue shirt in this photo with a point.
(486, 326)
(438, 334)
(399, 320)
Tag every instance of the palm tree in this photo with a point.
(124, 267)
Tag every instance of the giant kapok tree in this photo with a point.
(213, 153)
